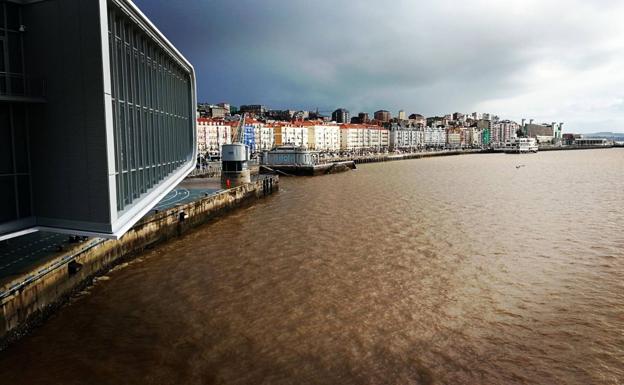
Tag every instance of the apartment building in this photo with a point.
(211, 135)
(360, 136)
(406, 137)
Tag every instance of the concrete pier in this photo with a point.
(32, 297)
(573, 147)
(376, 158)
(308, 170)
(235, 178)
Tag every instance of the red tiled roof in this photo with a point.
(347, 126)
(211, 120)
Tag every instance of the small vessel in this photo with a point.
(519, 146)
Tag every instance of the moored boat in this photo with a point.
(519, 146)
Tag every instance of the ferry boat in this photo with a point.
(519, 146)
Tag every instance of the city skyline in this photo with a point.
(521, 59)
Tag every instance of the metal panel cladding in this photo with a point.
(152, 97)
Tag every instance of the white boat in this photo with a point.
(519, 146)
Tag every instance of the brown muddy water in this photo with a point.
(455, 270)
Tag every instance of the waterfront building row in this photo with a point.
(418, 137)
(314, 135)
(332, 137)
(409, 135)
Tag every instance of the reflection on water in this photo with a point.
(457, 270)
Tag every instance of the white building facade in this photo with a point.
(435, 137)
(406, 137)
(211, 135)
(324, 137)
(359, 137)
(263, 139)
(289, 134)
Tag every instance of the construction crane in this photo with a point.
(235, 158)
(238, 135)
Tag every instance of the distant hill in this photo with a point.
(607, 135)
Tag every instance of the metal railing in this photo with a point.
(58, 263)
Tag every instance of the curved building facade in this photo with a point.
(97, 116)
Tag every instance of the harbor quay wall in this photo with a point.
(28, 300)
(573, 147)
(415, 155)
(342, 164)
(308, 170)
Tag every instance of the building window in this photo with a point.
(15, 191)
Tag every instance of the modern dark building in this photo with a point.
(256, 110)
(283, 115)
(212, 111)
(97, 116)
(383, 116)
(341, 115)
(534, 130)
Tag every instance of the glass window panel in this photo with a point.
(23, 190)
(119, 75)
(131, 135)
(2, 65)
(7, 199)
(116, 136)
(6, 147)
(21, 138)
(122, 129)
(111, 49)
(13, 21)
(156, 91)
(17, 85)
(15, 53)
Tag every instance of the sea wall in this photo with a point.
(29, 299)
(573, 147)
(415, 155)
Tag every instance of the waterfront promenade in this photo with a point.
(33, 288)
(394, 156)
(22, 255)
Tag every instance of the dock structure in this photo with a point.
(31, 296)
(376, 158)
(308, 170)
(291, 160)
(235, 165)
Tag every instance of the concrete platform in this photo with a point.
(21, 255)
(311, 170)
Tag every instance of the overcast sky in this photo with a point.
(552, 60)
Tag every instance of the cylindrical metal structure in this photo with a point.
(234, 170)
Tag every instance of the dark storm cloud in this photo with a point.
(422, 56)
